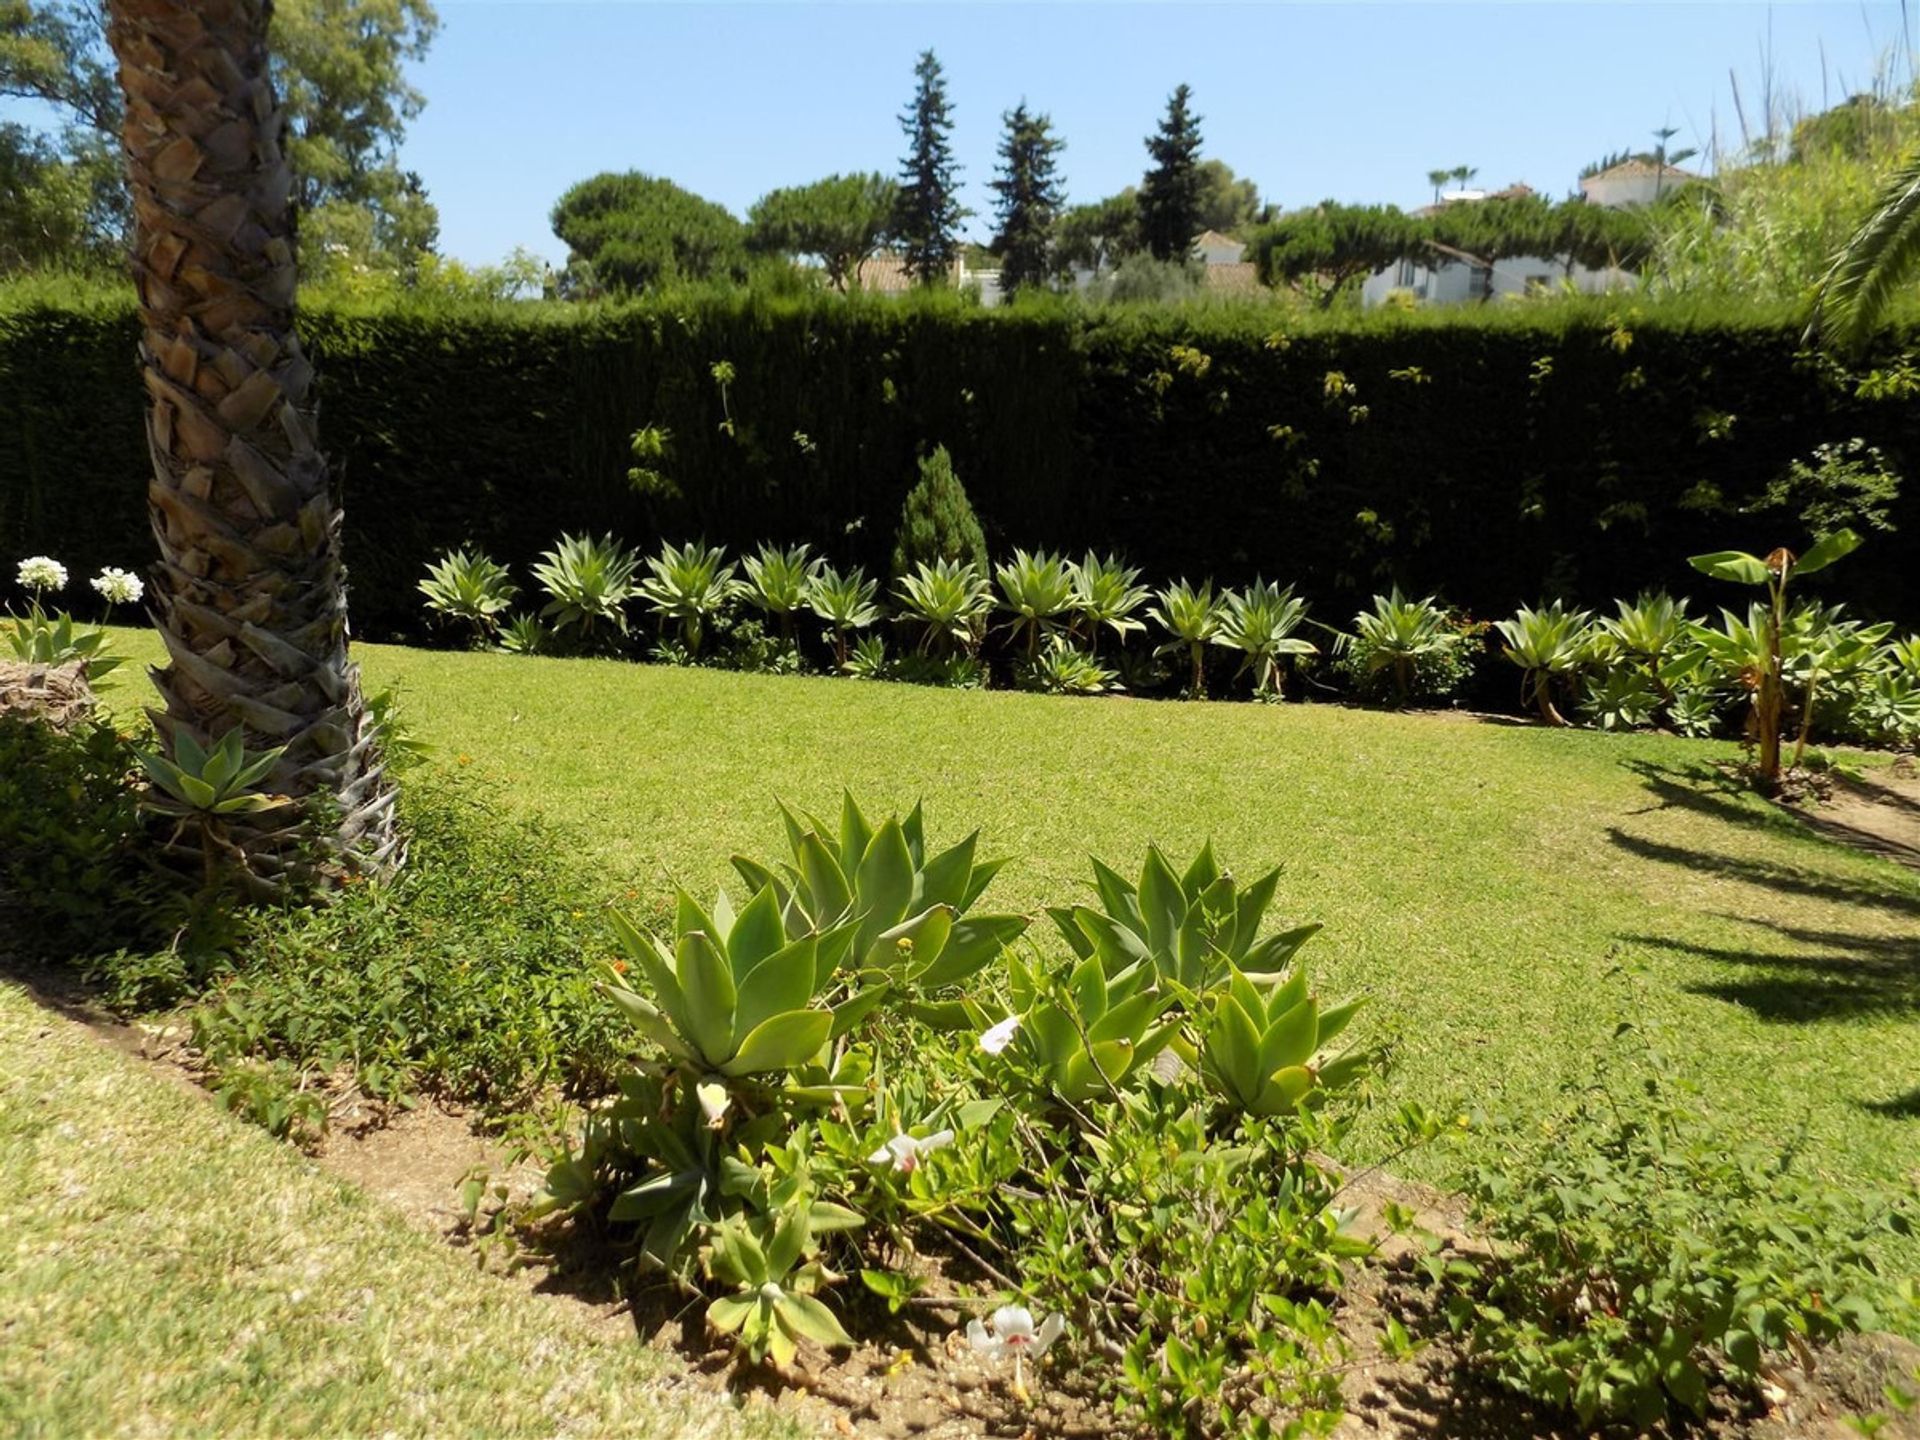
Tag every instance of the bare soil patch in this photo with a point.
(1879, 814)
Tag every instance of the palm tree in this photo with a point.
(1880, 258)
(1438, 179)
(249, 595)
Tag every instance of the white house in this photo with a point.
(1452, 277)
(1633, 182)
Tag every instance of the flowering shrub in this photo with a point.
(826, 1083)
(40, 639)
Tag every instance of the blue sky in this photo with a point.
(1354, 101)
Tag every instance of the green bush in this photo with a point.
(465, 975)
(1504, 455)
(1646, 1253)
(937, 522)
(75, 868)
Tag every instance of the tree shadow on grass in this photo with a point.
(1771, 875)
(1846, 977)
(1899, 1107)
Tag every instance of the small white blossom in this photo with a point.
(118, 587)
(714, 1102)
(39, 572)
(1000, 1036)
(1012, 1332)
(904, 1152)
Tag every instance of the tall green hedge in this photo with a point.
(1494, 457)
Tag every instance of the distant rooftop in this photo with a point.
(1637, 169)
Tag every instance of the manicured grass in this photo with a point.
(169, 1270)
(1501, 894)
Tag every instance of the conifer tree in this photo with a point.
(927, 223)
(1170, 194)
(937, 521)
(1029, 188)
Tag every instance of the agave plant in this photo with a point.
(1651, 630)
(869, 659)
(908, 911)
(1396, 634)
(1106, 594)
(774, 1305)
(1192, 617)
(1186, 927)
(208, 788)
(1888, 709)
(1265, 1050)
(1547, 644)
(522, 635)
(1828, 653)
(1260, 622)
(468, 587)
(1088, 1033)
(1038, 588)
(1622, 698)
(734, 994)
(779, 581)
(1063, 668)
(588, 582)
(845, 602)
(692, 584)
(950, 600)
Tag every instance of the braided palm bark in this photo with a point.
(249, 594)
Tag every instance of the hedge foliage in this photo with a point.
(1494, 456)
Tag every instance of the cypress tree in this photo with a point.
(937, 521)
(927, 222)
(1029, 188)
(1170, 194)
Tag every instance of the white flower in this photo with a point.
(904, 1152)
(1013, 1333)
(118, 587)
(714, 1101)
(38, 572)
(1000, 1036)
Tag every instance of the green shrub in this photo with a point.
(75, 859)
(466, 974)
(1646, 1252)
(500, 427)
(1402, 651)
(937, 523)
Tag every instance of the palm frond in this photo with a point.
(1882, 256)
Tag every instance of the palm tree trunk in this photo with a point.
(249, 594)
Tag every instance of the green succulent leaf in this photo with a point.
(783, 1042)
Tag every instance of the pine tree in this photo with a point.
(1030, 194)
(937, 521)
(927, 222)
(1170, 194)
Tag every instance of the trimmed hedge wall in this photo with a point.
(1494, 458)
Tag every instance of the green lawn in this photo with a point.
(1479, 882)
(167, 1270)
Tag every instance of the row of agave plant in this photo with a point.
(1653, 663)
(1058, 613)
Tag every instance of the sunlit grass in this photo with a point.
(1501, 894)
